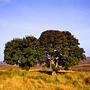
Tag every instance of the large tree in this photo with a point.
(62, 46)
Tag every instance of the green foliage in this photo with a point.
(55, 68)
(28, 51)
(21, 52)
(68, 47)
(12, 51)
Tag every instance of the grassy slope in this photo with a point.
(12, 78)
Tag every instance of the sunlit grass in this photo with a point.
(14, 78)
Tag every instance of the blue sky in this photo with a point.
(19, 18)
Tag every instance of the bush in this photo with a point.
(55, 68)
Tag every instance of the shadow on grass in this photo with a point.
(50, 72)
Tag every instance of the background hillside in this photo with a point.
(84, 65)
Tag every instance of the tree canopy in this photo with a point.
(67, 45)
(61, 46)
(21, 52)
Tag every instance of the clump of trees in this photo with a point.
(55, 48)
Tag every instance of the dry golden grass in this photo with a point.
(13, 78)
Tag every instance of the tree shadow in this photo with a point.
(50, 72)
(46, 72)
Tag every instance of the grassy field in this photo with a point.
(13, 78)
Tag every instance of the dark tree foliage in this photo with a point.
(67, 45)
(12, 51)
(21, 52)
(63, 47)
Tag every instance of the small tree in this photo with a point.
(21, 52)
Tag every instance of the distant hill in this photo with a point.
(88, 58)
(83, 66)
(87, 61)
(2, 63)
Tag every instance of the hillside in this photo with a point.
(83, 66)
